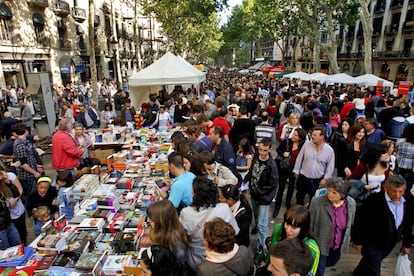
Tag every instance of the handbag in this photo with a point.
(285, 161)
(403, 266)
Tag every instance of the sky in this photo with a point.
(227, 12)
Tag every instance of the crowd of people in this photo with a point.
(346, 153)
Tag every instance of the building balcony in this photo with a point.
(61, 8)
(79, 14)
(379, 9)
(38, 3)
(397, 4)
(391, 29)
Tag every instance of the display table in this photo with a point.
(108, 231)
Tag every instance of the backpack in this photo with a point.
(289, 109)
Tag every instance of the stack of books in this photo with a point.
(41, 262)
(114, 264)
(52, 242)
(92, 224)
(85, 186)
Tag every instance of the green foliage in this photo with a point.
(191, 26)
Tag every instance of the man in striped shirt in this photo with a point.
(264, 130)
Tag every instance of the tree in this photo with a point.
(327, 16)
(92, 59)
(238, 34)
(280, 22)
(191, 26)
(367, 29)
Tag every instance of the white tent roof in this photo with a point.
(298, 75)
(318, 76)
(372, 80)
(169, 69)
(339, 78)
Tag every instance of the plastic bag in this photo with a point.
(403, 266)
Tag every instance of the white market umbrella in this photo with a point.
(298, 75)
(340, 78)
(372, 80)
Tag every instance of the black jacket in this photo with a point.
(374, 223)
(265, 189)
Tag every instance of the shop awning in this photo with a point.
(5, 11)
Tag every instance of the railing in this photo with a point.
(64, 44)
(397, 3)
(391, 29)
(79, 14)
(39, 3)
(62, 8)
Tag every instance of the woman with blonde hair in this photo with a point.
(166, 229)
(291, 125)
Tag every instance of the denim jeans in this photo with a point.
(9, 237)
(262, 221)
(38, 227)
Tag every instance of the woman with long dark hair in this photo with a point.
(371, 172)
(166, 229)
(288, 148)
(355, 146)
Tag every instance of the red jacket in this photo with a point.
(346, 108)
(65, 153)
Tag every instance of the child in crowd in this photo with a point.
(65, 202)
(40, 203)
(244, 157)
(334, 118)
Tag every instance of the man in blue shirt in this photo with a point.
(181, 193)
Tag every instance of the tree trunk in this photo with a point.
(137, 37)
(367, 29)
(317, 57)
(92, 59)
(117, 66)
(331, 49)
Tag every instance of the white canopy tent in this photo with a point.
(318, 76)
(167, 70)
(339, 78)
(372, 80)
(298, 75)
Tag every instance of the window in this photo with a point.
(5, 22)
(39, 24)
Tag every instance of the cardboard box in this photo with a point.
(102, 154)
